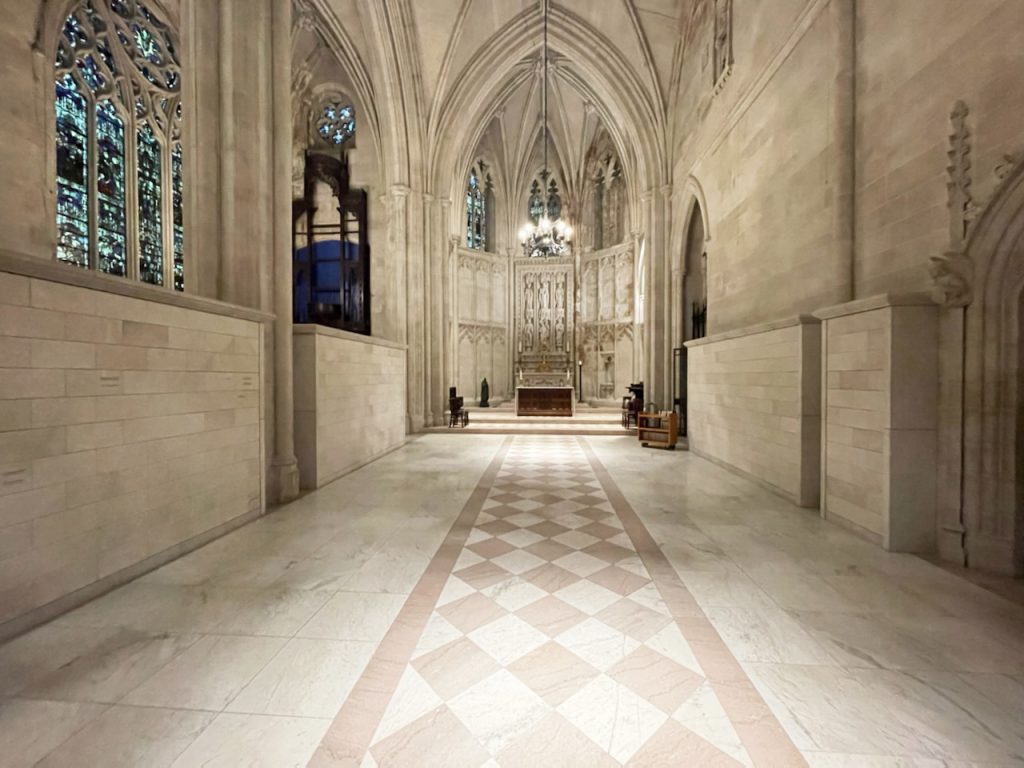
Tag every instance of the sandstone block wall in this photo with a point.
(754, 404)
(350, 395)
(879, 430)
(128, 428)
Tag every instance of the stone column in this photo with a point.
(639, 313)
(440, 211)
(285, 468)
(226, 151)
(843, 119)
(657, 310)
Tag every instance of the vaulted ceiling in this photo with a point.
(466, 77)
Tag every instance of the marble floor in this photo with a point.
(502, 420)
(486, 600)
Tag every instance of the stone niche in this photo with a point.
(607, 331)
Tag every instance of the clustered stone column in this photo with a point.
(285, 466)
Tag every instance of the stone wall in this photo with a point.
(130, 431)
(754, 404)
(915, 60)
(763, 152)
(879, 431)
(607, 330)
(483, 329)
(349, 401)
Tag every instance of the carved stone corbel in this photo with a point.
(952, 276)
(1010, 162)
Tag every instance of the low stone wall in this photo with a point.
(350, 401)
(131, 430)
(754, 404)
(879, 430)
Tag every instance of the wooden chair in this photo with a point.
(458, 416)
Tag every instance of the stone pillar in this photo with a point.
(639, 313)
(401, 229)
(451, 311)
(843, 119)
(658, 315)
(226, 153)
(285, 467)
(439, 304)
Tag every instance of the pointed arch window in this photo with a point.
(478, 189)
(545, 199)
(120, 162)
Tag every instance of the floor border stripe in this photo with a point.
(348, 738)
(765, 739)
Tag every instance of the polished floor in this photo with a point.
(480, 600)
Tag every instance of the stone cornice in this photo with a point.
(753, 330)
(55, 272)
(870, 303)
(309, 329)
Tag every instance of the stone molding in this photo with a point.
(753, 330)
(66, 274)
(310, 329)
(871, 303)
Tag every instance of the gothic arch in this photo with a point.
(610, 85)
(982, 349)
(693, 201)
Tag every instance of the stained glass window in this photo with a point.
(120, 170)
(476, 212)
(151, 250)
(72, 174)
(178, 208)
(554, 202)
(536, 202)
(336, 122)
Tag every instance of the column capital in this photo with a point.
(400, 190)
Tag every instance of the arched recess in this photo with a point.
(981, 394)
(695, 291)
(693, 210)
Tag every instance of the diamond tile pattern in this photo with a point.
(552, 630)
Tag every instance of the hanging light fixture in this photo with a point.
(550, 234)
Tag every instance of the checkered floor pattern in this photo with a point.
(550, 644)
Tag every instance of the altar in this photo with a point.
(545, 401)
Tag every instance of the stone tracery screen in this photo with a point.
(544, 309)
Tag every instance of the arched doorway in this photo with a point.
(981, 447)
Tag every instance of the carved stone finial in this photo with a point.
(961, 205)
(953, 279)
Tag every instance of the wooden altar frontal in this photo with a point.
(545, 401)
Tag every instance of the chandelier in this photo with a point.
(549, 235)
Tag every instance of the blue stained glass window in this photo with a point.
(72, 174)
(113, 128)
(110, 190)
(151, 249)
(177, 186)
(476, 214)
(337, 123)
(147, 45)
(91, 73)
